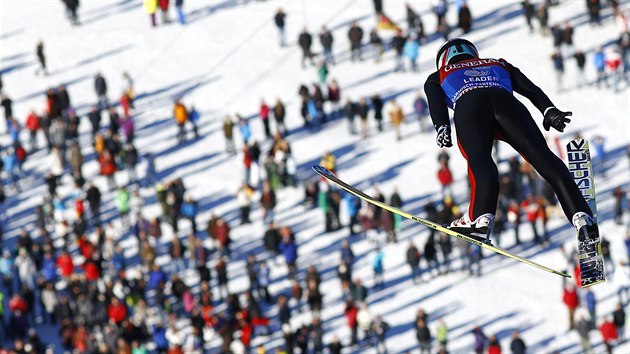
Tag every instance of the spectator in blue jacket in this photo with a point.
(118, 260)
(193, 118)
(558, 67)
(156, 276)
(288, 248)
(421, 108)
(264, 278)
(346, 253)
(377, 267)
(353, 204)
(9, 162)
(49, 267)
(591, 304)
(600, 66)
(246, 132)
(159, 338)
(411, 51)
(179, 7)
(188, 211)
(7, 271)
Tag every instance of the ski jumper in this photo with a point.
(480, 91)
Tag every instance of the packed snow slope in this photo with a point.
(226, 58)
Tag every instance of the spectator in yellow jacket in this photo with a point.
(396, 116)
(181, 116)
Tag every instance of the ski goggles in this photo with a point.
(455, 50)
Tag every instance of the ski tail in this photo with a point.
(589, 245)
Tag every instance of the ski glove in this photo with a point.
(444, 136)
(556, 118)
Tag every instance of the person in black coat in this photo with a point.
(543, 18)
(556, 36)
(362, 112)
(350, 109)
(72, 6)
(594, 7)
(93, 197)
(464, 18)
(305, 96)
(580, 60)
(378, 7)
(412, 17)
(335, 346)
(39, 51)
(398, 43)
(7, 105)
(619, 319)
(567, 34)
(305, 40)
(284, 311)
(528, 11)
(377, 44)
(64, 99)
(558, 65)
(413, 259)
(355, 35)
(379, 331)
(430, 255)
(271, 240)
(95, 120)
(100, 87)
(377, 106)
(423, 335)
(279, 20)
(517, 346)
(326, 39)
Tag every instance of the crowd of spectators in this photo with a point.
(70, 273)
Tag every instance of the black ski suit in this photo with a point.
(480, 92)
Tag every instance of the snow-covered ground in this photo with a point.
(227, 58)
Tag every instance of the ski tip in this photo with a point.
(563, 274)
(321, 171)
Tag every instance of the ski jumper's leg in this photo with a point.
(475, 125)
(523, 134)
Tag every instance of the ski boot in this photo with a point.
(480, 229)
(589, 250)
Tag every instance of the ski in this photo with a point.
(350, 189)
(589, 246)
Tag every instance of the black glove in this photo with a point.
(556, 118)
(444, 136)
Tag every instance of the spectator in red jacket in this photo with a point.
(108, 168)
(65, 264)
(33, 125)
(117, 311)
(246, 331)
(609, 333)
(614, 65)
(222, 236)
(445, 177)
(17, 303)
(351, 315)
(493, 345)
(92, 269)
(125, 104)
(247, 164)
(264, 116)
(530, 208)
(164, 9)
(570, 299)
